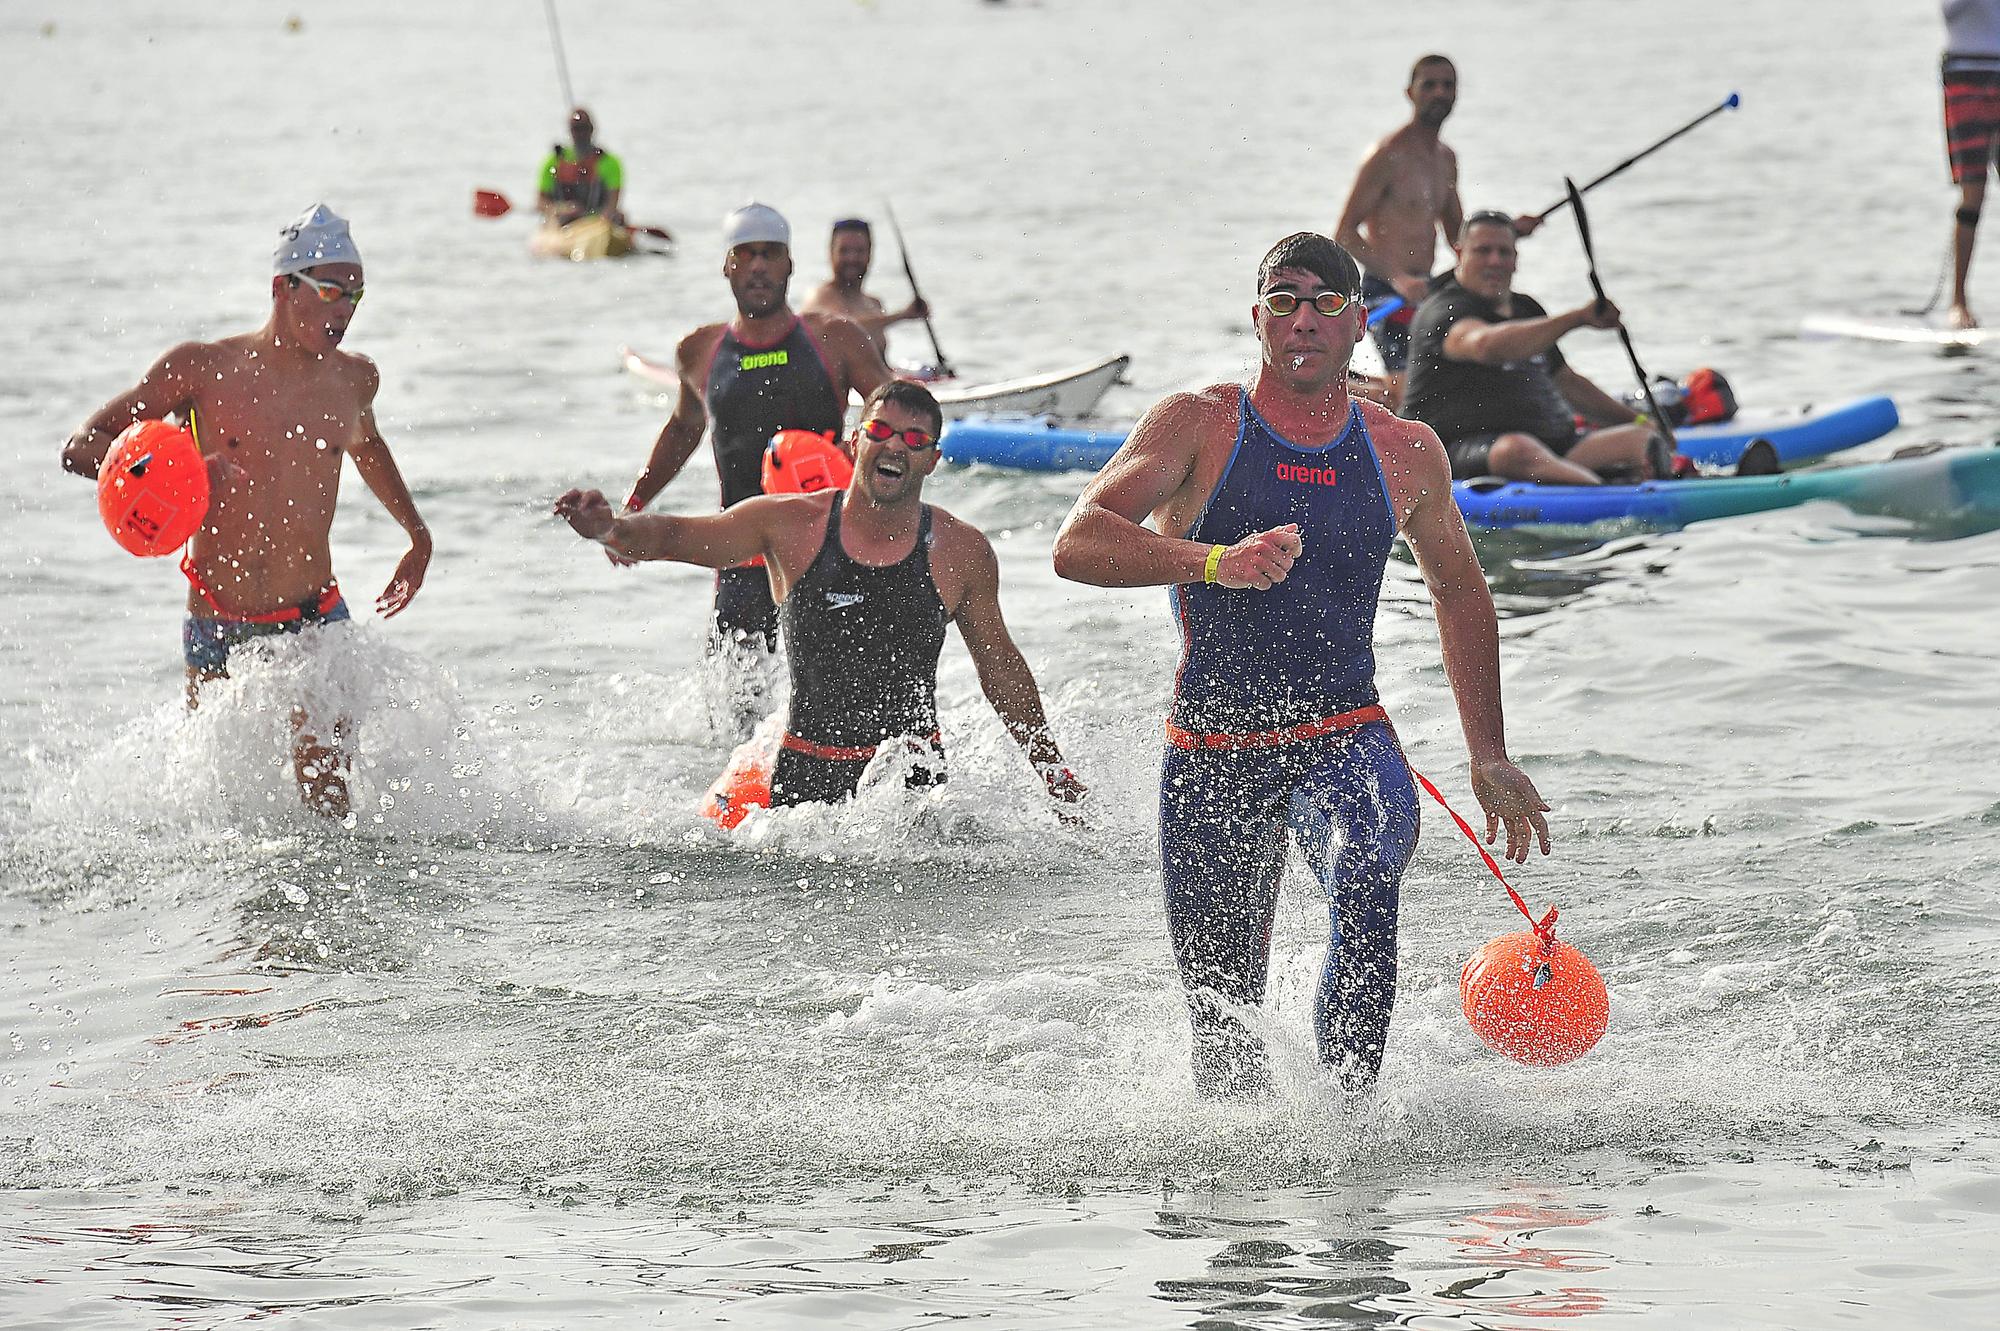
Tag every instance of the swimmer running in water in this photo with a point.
(763, 371)
(866, 579)
(1274, 511)
(275, 411)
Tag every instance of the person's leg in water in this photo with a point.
(1355, 816)
(743, 641)
(320, 768)
(1222, 849)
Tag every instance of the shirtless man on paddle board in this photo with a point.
(1273, 510)
(850, 252)
(274, 411)
(1404, 197)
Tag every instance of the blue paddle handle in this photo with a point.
(1377, 313)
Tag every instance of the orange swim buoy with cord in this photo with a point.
(798, 462)
(1535, 999)
(152, 488)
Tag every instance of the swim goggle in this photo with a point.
(1282, 303)
(913, 439)
(329, 292)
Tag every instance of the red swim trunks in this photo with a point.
(1971, 121)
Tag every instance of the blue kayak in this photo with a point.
(1031, 443)
(1949, 487)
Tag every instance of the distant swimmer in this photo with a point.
(850, 253)
(1404, 197)
(275, 411)
(1971, 128)
(867, 578)
(1486, 373)
(766, 370)
(580, 179)
(1274, 510)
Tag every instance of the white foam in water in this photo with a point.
(420, 763)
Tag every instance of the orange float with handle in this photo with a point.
(1527, 995)
(152, 488)
(798, 462)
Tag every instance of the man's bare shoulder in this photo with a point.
(694, 350)
(1404, 445)
(359, 371)
(1203, 412)
(958, 545)
(831, 327)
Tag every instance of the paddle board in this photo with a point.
(1912, 330)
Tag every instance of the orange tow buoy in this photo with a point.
(798, 462)
(744, 785)
(1536, 1001)
(152, 488)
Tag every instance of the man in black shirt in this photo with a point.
(1486, 374)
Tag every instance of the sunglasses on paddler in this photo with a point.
(1282, 303)
(913, 439)
(329, 292)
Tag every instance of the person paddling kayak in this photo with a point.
(581, 179)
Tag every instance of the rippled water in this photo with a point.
(531, 1045)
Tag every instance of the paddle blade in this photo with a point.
(1735, 100)
(490, 203)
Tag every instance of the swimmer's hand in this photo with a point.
(1261, 561)
(409, 576)
(1064, 785)
(587, 512)
(1510, 800)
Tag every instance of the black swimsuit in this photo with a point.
(754, 392)
(862, 643)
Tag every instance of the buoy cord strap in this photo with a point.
(1545, 928)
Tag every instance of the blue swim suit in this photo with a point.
(1276, 727)
(206, 643)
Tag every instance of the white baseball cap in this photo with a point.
(317, 236)
(755, 224)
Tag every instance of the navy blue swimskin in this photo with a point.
(1276, 728)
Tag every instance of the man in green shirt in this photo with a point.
(581, 180)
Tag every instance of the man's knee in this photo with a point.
(1514, 452)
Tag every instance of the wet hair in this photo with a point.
(854, 224)
(1484, 217)
(910, 396)
(1424, 62)
(1316, 255)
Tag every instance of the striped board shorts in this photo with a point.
(1971, 121)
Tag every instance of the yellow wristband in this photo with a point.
(1214, 563)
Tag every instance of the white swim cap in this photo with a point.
(755, 224)
(318, 236)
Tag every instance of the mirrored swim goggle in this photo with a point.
(329, 292)
(913, 439)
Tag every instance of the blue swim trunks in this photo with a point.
(206, 643)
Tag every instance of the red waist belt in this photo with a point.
(1271, 739)
(322, 605)
(837, 753)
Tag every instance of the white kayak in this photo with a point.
(1910, 330)
(1066, 394)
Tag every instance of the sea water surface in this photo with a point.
(528, 1044)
